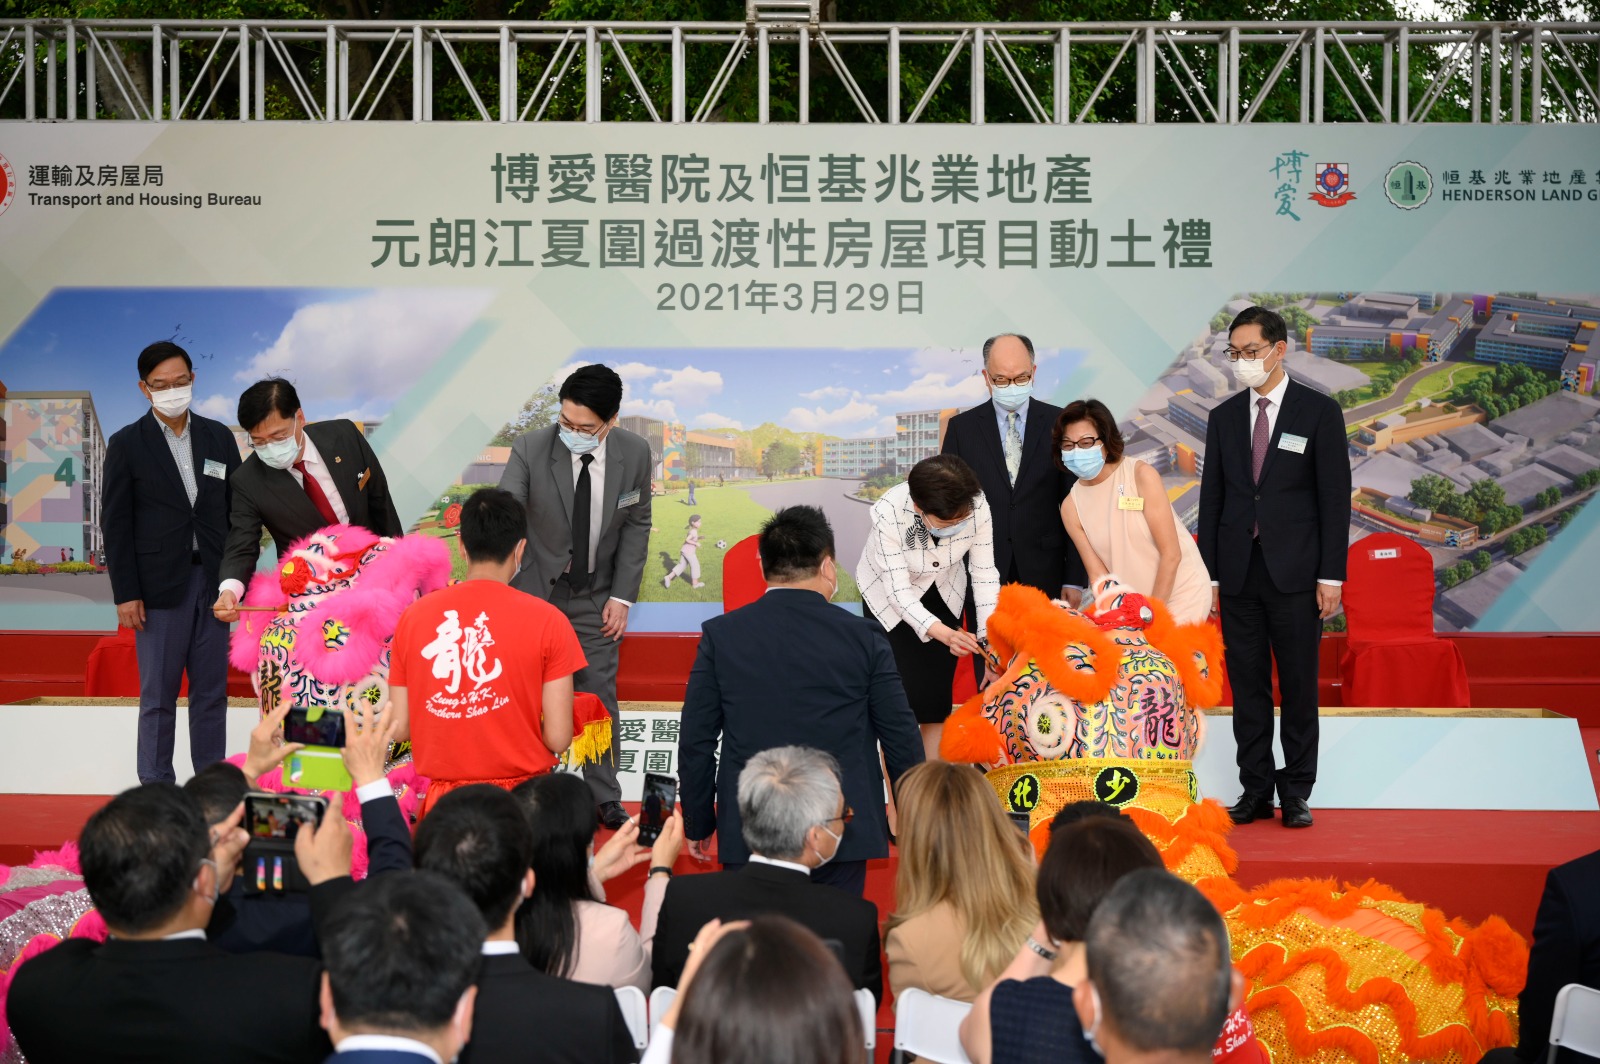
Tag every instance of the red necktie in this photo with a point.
(319, 499)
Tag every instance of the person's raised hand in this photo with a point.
(621, 852)
(366, 743)
(324, 851)
(669, 843)
(131, 614)
(228, 840)
(267, 749)
(226, 608)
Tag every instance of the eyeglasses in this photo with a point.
(1006, 382)
(846, 816)
(1249, 354)
(277, 437)
(163, 386)
(570, 427)
(1081, 444)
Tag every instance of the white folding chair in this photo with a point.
(660, 1001)
(1575, 1024)
(631, 999)
(929, 1026)
(869, 1017)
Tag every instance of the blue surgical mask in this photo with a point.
(279, 454)
(948, 530)
(1084, 464)
(577, 442)
(1013, 396)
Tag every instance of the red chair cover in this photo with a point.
(742, 582)
(1392, 656)
(113, 667)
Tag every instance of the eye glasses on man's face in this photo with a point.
(167, 386)
(1249, 354)
(846, 816)
(1006, 382)
(1082, 444)
(579, 429)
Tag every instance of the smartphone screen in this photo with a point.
(660, 795)
(1020, 820)
(280, 816)
(326, 730)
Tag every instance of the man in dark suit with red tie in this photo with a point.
(1274, 528)
(298, 478)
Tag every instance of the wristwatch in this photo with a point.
(659, 868)
(1043, 951)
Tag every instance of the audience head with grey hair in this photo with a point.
(1161, 982)
(791, 806)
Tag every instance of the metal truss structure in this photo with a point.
(1221, 73)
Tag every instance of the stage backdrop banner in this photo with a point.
(797, 312)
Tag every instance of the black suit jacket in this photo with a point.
(149, 527)
(173, 1002)
(791, 669)
(523, 1014)
(760, 890)
(282, 923)
(1302, 502)
(1566, 949)
(269, 498)
(1027, 515)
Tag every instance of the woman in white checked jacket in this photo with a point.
(929, 536)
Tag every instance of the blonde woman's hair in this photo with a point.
(957, 846)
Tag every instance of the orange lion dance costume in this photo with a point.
(1107, 705)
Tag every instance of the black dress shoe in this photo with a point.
(612, 815)
(1296, 813)
(1251, 807)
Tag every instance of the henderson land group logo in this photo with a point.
(8, 184)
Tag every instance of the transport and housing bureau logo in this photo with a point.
(8, 184)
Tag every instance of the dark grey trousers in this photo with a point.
(599, 678)
(184, 638)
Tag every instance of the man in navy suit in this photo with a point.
(164, 515)
(1566, 949)
(403, 957)
(1274, 529)
(791, 670)
(1006, 441)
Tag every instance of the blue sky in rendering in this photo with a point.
(838, 392)
(350, 352)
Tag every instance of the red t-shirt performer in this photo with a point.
(480, 674)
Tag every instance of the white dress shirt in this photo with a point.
(793, 866)
(319, 472)
(501, 948)
(597, 500)
(1274, 400)
(893, 577)
(388, 1042)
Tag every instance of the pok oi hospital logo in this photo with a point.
(8, 183)
(1333, 185)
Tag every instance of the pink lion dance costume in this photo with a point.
(336, 598)
(1107, 705)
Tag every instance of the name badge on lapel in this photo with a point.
(216, 469)
(1290, 442)
(1130, 502)
(361, 481)
(627, 499)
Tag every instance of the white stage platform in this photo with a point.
(1370, 758)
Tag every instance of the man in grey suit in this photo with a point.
(586, 481)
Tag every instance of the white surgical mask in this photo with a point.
(1251, 373)
(577, 442)
(172, 402)
(279, 454)
(1094, 1028)
(1012, 396)
(837, 839)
